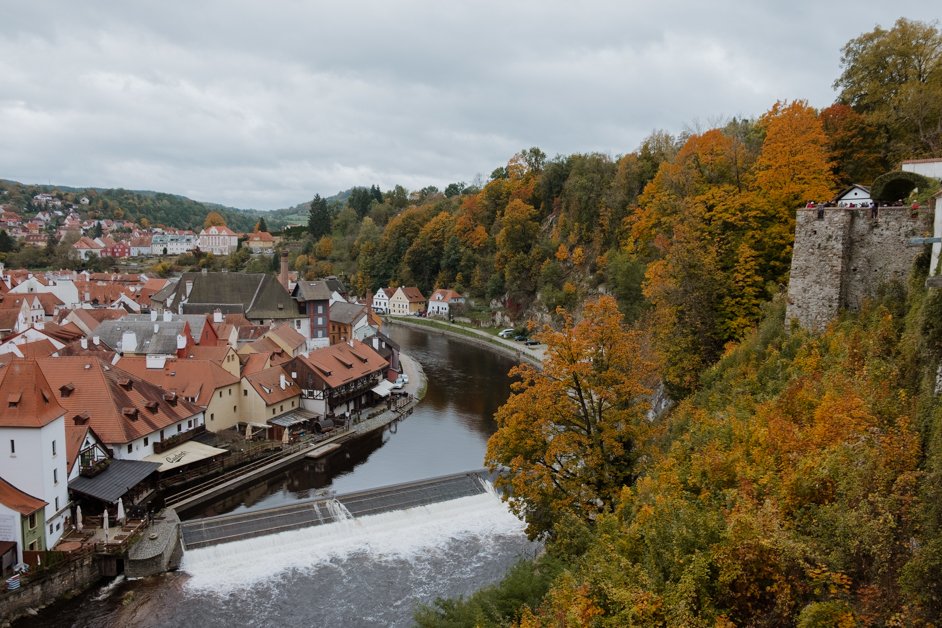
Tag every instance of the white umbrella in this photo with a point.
(105, 525)
(286, 437)
(78, 518)
(248, 431)
(121, 515)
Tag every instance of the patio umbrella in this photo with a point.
(105, 524)
(286, 437)
(78, 518)
(121, 516)
(248, 431)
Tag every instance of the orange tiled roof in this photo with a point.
(267, 384)
(15, 499)
(339, 364)
(26, 396)
(185, 377)
(105, 393)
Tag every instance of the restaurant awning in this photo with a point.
(189, 452)
(290, 419)
(383, 388)
(112, 483)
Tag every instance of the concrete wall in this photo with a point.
(840, 260)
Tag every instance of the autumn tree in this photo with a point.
(214, 218)
(894, 77)
(571, 434)
(261, 225)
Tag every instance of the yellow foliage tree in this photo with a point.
(214, 218)
(570, 435)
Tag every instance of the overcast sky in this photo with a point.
(264, 104)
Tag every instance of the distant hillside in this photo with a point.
(158, 208)
(298, 214)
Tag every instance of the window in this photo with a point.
(220, 394)
(52, 528)
(32, 521)
(53, 448)
(234, 409)
(12, 447)
(161, 435)
(145, 440)
(230, 392)
(212, 416)
(179, 427)
(55, 476)
(245, 393)
(281, 408)
(273, 412)
(189, 424)
(57, 504)
(130, 447)
(320, 308)
(320, 320)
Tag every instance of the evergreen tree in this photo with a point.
(318, 221)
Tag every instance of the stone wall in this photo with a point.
(841, 258)
(68, 580)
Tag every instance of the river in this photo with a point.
(366, 572)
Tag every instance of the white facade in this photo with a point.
(926, 167)
(173, 244)
(855, 196)
(64, 289)
(381, 301)
(218, 240)
(140, 448)
(34, 460)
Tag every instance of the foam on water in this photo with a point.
(401, 534)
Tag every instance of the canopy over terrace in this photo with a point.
(122, 478)
(383, 388)
(185, 454)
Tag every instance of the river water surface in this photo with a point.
(365, 572)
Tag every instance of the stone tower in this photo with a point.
(842, 255)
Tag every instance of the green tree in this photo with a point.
(261, 225)
(7, 243)
(318, 220)
(360, 200)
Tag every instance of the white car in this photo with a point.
(507, 333)
(399, 383)
(404, 378)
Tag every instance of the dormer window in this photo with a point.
(66, 389)
(130, 413)
(125, 383)
(14, 399)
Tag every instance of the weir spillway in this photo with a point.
(208, 531)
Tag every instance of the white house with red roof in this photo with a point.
(218, 240)
(33, 455)
(86, 248)
(441, 302)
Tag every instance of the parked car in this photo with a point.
(520, 337)
(531, 342)
(399, 383)
(506, 333)
(404, 377)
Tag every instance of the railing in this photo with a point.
(177, 439)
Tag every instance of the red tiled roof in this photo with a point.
(288, 335)
(26, 396)
(42, 348)
(255, 362)
(15, 499)
(341, 363)
(189, 378)
(413, 295)
(98, 391)
(267, 384)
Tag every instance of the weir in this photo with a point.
(208, 531)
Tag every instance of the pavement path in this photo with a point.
(509, 347)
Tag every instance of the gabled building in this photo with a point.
(218, 240)
(33, 442)
(268, 394)
(380, 300)
(340, 378)
(314, 299)
(260, 242)
(22, 523)
(406, 301)
(129, 414)
(442, 301)
(202, 382)
(145, 337)
(350, 321)
(259, 297)
(86, 248)
(287, 339)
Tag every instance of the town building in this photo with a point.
(406, 301)
(442, 302)
(218, 240)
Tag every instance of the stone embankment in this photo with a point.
(510, 348)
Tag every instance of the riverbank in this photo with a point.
(486, 340)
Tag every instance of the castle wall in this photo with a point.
(840, 260)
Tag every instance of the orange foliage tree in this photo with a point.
(570, 436)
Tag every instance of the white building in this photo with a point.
(381, 300)
(33, 454)
(218, 240)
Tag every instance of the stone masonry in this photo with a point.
(842, 255)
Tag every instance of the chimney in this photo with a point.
(283, 275)
(128, 342)
(181, 342)
(96, 340)
(84, 343)
(156, 328)
(153, 315)
(168, 316)
(217, 315)
(155, 361)
(282, 381)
